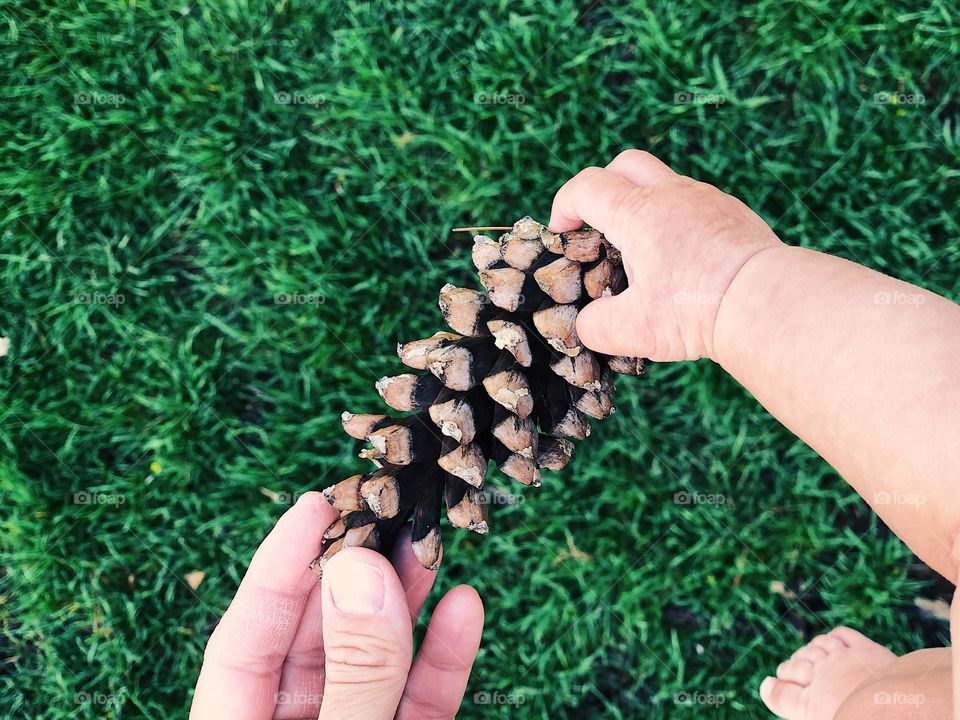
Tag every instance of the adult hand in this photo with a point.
(292, 647)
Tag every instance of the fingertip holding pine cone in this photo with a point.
(510, 385)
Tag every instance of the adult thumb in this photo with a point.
(367, 637)
(610, 325)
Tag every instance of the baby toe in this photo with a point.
(784, 699)
(848, 636)
(810, 652)
(828, 643)
(796, 671)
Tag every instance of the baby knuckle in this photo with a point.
(589, 175)
(626, 205)
(632, 156)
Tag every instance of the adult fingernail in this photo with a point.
(355, 586)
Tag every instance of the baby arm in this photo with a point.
(863, 367)
(866, 370)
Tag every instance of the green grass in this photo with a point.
(145, 155)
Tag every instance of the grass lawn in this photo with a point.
(168, 169)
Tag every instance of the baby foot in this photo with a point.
(813, 683)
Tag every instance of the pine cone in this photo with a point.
(509, 384)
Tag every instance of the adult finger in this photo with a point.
(241, 665)
(301, 679)
(641, 168)
(417, 581)
(301, 682)
(367, 637)
(439, 675)
(601, 198)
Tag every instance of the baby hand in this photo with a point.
(683, 243)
